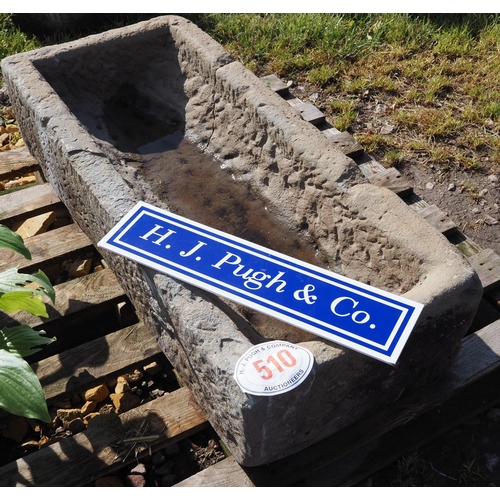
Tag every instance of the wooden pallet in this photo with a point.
(98, 338)
(97, 341)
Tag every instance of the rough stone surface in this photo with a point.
(172, 73)
(97, 394)
(125, 401)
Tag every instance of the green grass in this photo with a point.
(437, 73)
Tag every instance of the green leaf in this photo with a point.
(11, 240)
(13, 281)
(20, 389)
(23, 340)
(23, 301)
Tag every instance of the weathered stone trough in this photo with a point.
(160, 112)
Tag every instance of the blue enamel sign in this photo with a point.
(339, 309)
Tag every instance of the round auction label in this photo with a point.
(273, 368)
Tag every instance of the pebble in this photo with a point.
(493, 178)
(387, 129)
(490, 221)
(452, 187)
(136, 480)
(476, 210)
(125, 401)
(153, 368)
(97, 394)
(77, 425)
(429, 186)
(139, 469)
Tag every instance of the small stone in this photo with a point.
(35, 225)
(157, 393)
(107, 481)
(387, 129)
(97, 394)
(134, 376)
(16, 429)
(77, 425)
(80, 267)
(380, 108)
(124, 402)
(67, 416)
(88, 407)
(90, 416)
(290, 83)
(106, 409)
(476, 210)
(490, 221)
(429, 186)
(122, 385)
(168, 480)
(136, 480)
(493, 178)
(139, 469)
(12, 129)
(483, 192)
(451, 187)
(153, 368)
(314, 96)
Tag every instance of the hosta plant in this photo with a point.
(20, 389)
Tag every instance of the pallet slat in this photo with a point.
(15, 161)
(486, 263)
(46, 247)
(82, 458)
(27, 201)
(77, 369)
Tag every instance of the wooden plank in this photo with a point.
(369, 166)
(82, 458)
(78, 369)
(85, 309)
(226, 473)
(486, 263)
(275, 84)
(309, 112)
(46, 247)
(342, 140)
(15, 161)
(28, 200)
(392, 179)
(75, 296)
(438, 219)
(465, 245)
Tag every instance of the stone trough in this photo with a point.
(160, 112)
